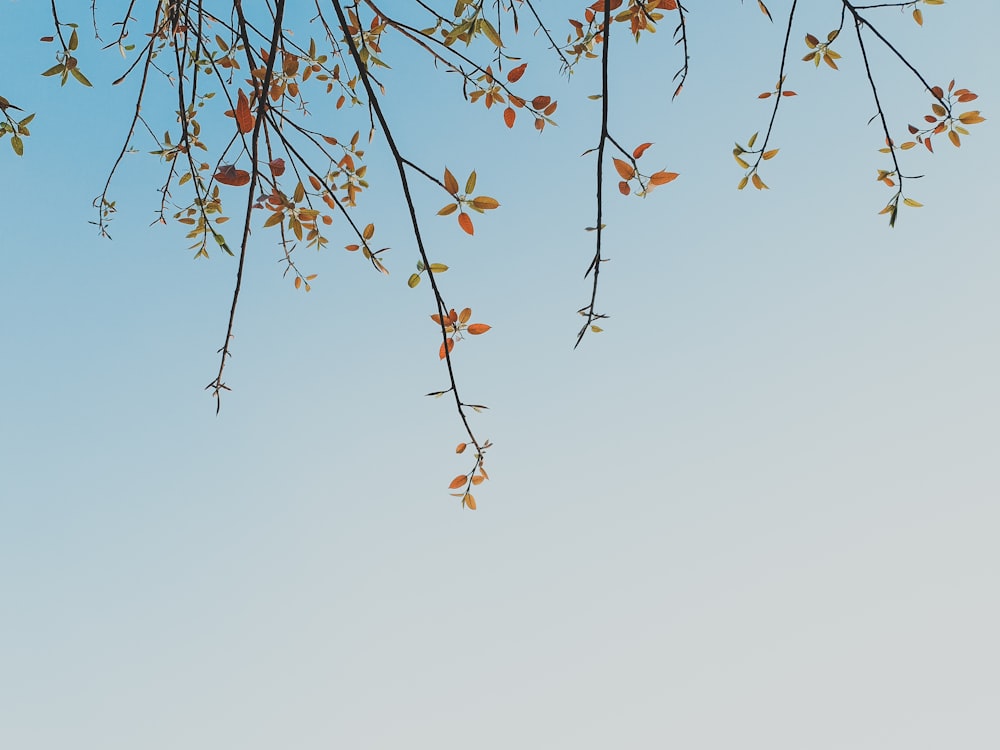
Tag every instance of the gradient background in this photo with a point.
(759, 511)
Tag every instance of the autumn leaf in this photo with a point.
(466, 223)
(450, 183)
(485, 203)
(244, 119)
(640, 150)
(626, 170)
(515, 74)
(509, 115)
(230, 175)
(443, 351)
(478, 328)
(662, 178)
(278, 168)
(457, 482)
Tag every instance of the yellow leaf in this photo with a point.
(469, 501)
(769, 154)
(911, 202)
(485, 203)
(369, 232)
(448, 210)
(971, 118)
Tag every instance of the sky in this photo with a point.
(759, 510)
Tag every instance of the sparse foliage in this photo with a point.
(241, 146)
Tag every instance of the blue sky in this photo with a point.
(759, 510)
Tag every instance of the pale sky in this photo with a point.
(758, 511)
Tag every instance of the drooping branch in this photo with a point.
(443, 314)
(589, 311)
(218, 385)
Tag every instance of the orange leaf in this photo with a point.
(466, 223)
(442, 352)
(457, 482)
(460, 448)
(469, 501)
(640, 150)
(662, 178)
(477, 328)
(626, 170)
(541, 102)
(509, 115)
(244, 120)
(623, 188)
(515, 75)
(463, 317)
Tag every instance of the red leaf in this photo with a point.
(515, 75)
(442, 352)
(509, 116)
(640, 150)
(230, 175)
(278, 168)
(623, 188)
(244, 120)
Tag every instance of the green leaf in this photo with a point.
(80, 77)
(17, 144)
